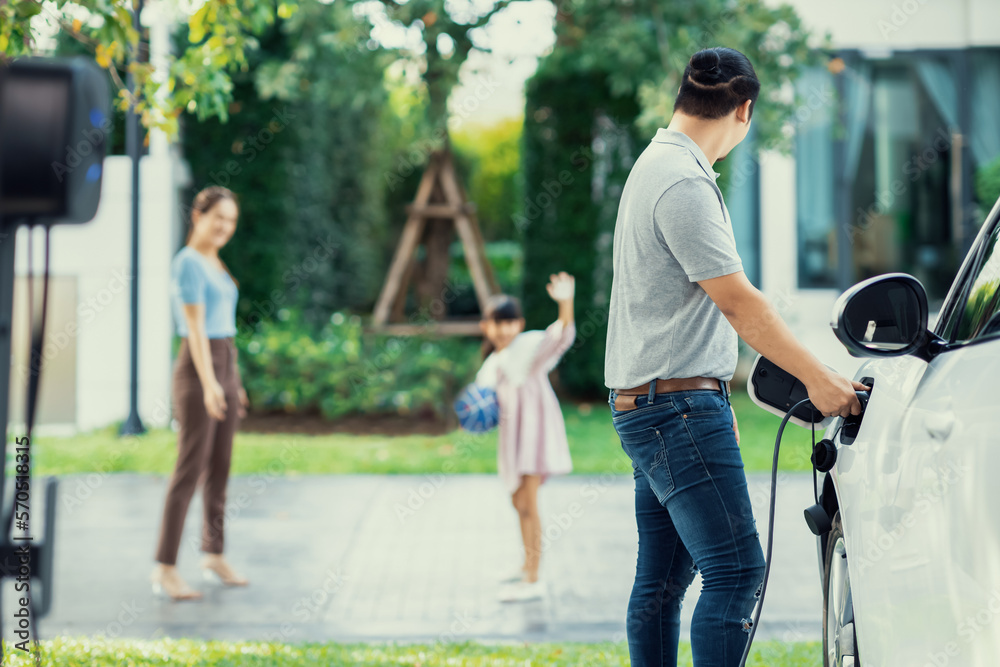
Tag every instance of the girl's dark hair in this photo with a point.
(716, 81)
(499, 308)
(203, 202)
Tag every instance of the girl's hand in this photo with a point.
(561, 287)
(244, 403)
(215, 400)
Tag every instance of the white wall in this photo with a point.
(97, 254)
(808, 311)
(902, 24)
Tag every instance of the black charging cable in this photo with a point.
(770, 530)
(770, 513)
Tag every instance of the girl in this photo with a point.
(532, 441)
(208, 393)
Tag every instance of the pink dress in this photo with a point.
(532, 438)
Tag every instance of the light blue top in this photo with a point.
(193, 279)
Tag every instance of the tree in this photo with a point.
(220, 33)
(447, 39)
(333, 78)
(448, 36)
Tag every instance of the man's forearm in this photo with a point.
(759, 324)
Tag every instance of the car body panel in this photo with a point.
(917, 501)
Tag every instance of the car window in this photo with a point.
(980, 315)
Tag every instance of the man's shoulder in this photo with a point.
(661, 166)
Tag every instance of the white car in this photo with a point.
(910, 511)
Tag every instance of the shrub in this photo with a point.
(343, 370)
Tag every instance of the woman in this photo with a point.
(532, 442)
(208, 394)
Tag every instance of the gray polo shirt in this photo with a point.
(673, 230)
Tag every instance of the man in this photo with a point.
(679, 299)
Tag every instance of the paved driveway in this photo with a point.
(360, 557)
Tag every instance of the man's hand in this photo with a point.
(834, 395)
(736, 428)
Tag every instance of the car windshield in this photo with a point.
(983, 302)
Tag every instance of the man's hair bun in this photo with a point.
(706, 64)
(716, 81)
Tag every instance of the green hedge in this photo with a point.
(579, 144)
(341, 370)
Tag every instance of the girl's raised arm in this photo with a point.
(560, 334)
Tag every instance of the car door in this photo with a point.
(919, 488)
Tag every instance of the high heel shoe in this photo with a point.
(182, 593)
(214, 576)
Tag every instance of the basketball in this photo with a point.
(477, 409)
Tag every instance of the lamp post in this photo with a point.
(133, 425)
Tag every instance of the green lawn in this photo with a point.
(71, 652)
(594, 445)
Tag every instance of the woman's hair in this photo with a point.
(715, 82)
(203, 202)
(499, 308)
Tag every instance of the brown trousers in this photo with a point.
(204, 450)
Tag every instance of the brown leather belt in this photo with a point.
(625, 398)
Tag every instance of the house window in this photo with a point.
(878, 171)
(814, 179)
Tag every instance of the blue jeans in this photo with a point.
(693, 513)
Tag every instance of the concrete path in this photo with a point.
(408, 558)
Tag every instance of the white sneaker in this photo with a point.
(522, 591)
(511, 576)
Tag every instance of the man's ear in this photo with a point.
(743, 111)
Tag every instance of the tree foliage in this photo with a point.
(493, 156)
(197, 79)
(301, 151)
(640, 48)
(447, 36)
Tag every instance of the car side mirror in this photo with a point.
(884, 316)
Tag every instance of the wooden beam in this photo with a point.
(397, 279)
(438, 210)
(472, 242)
(475, 260)
(394, 281)
(398, 310)
(481, 245)
(442, 328)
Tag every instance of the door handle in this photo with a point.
(939, 425)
